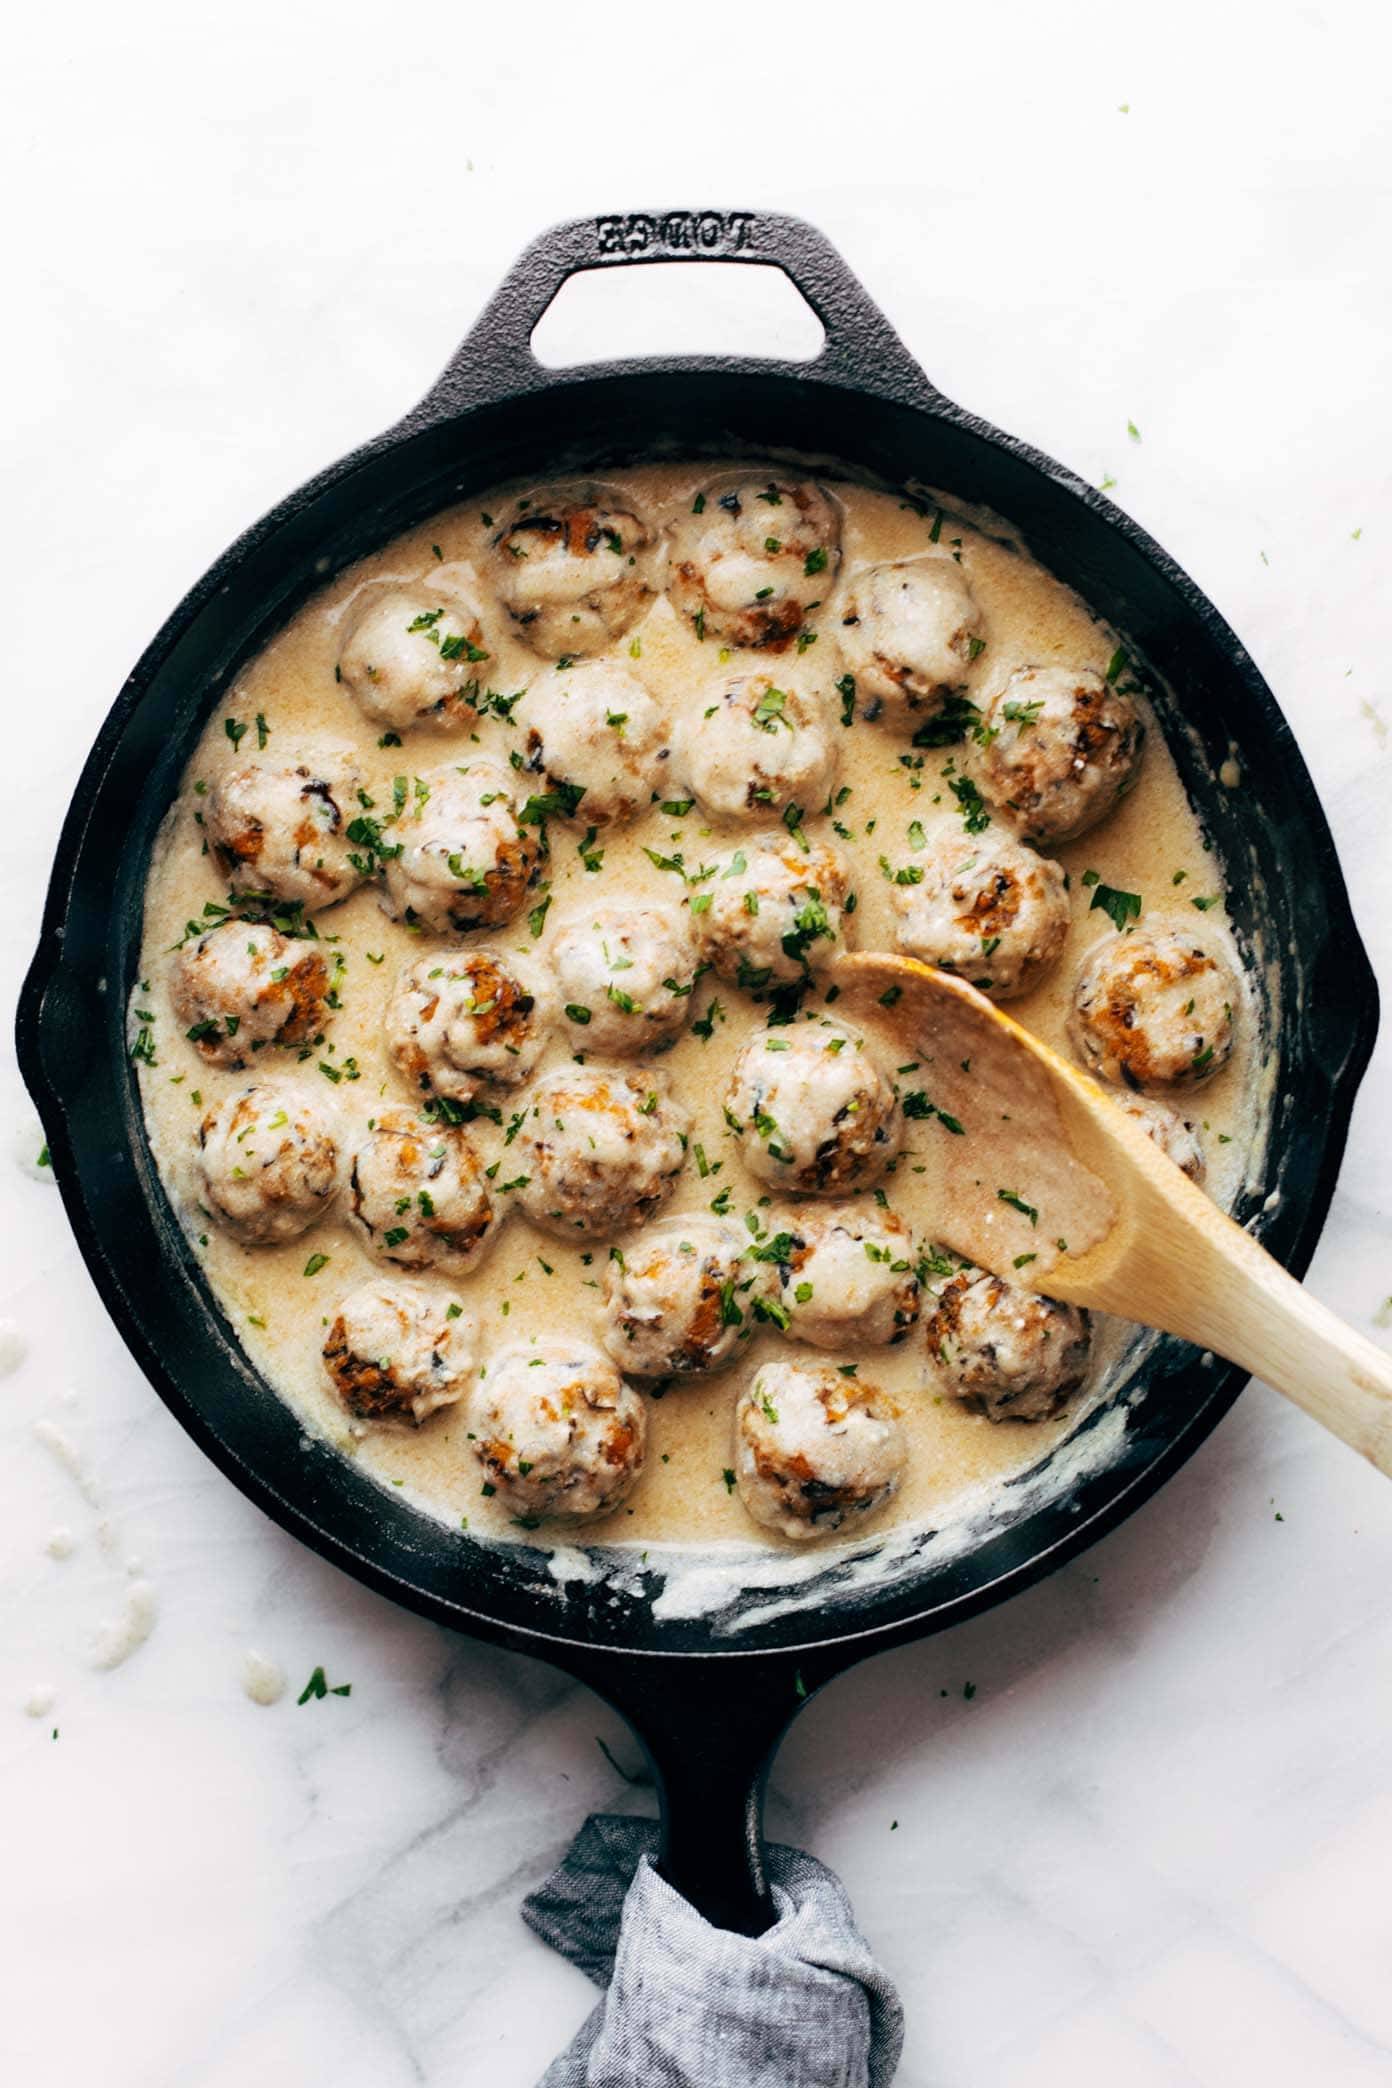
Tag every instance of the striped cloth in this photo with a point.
(691, 2006)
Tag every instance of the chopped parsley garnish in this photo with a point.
(770, 711)
(780, 1249)
(562, 800)
(590, 856)
(1017, 1203)
(975, 817)
(958, 716)
(318, 1686)
(916, 1105)
(811, 922)
(1120, 907)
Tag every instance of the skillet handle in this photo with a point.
(710, 1729)
(495, 360)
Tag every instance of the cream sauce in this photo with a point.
(529, 1284)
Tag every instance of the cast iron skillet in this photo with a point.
(708, 1696)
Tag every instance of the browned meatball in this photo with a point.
(458, 1020)
(413, 656)
(814, 1449)
(672, 1298)
(418, 1195)
(813, 1111)
(985, 907)
(399, 1352)
(1004, 1350)
(1155, 1010)
(288, 831)
(557, 1431)
(464, 855)
(844, 1274)
(753, 556)
(1056, 747)
(243, 986)
(599, 1148)
(909, 633)
(268, 1162)
(575, 567)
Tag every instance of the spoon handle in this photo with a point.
(1180, 1264)
(1262, 1318)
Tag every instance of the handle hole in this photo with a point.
(682, 308)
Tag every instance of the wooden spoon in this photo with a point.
(1041, 1178)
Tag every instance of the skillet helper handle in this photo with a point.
(495, 360)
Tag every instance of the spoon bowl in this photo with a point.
(1046, 1182)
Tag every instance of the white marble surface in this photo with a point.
(1153, 1848)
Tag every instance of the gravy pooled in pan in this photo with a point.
(492, 1039)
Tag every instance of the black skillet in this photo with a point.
(709, 1697)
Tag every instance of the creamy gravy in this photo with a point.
(530, 1283)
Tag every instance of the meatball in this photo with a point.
(672, 1298)
(243, 986)
(986, 907)
(846, 1274)
(397, 1352)
(814, 1450)
(1154, 1010)
(1013, 1355)
(575, 567)
(598, 737)
(813, 1111)
(909, 633)
(268, 1162)
(557, 1431)
(775, 911)
(418, 1195)
(751, 557)
(756, 743)
(1177, 1138)
(412, 655)
(600, 1149)
(465, 858)
(459, 1020)
(289, 832)
(1056, 747)
(626, 975)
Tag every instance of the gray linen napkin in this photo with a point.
(691, 2006)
